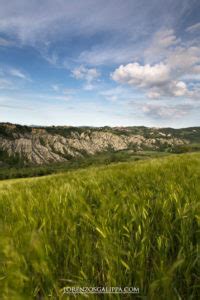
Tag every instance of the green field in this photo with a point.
(20, 170)
(126, 224)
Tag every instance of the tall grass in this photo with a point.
(129, 224)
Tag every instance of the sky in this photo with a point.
(100, 62)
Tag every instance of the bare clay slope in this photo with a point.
(58, 144)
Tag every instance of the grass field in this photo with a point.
(126, 224)
(106, 158)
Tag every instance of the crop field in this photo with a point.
(129, 224)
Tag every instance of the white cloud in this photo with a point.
(165, 38)
(179, 64)
(153, 94)
(123, 26)
(169, 89)
(17, 73)
(32, 23)
(85, 73)
(107, 54)
(9, 76)
(166, 111)
(89, 75)
(142, 75)
(183, 60)
(160, 45)
(193, 28)
(51, 58)
(157, 80)
(179, 88)
(181, 57)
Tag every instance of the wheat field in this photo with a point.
(127, 224)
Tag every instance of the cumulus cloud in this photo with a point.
(153, 94)
(89, 75)
(141, 75)
(179, 88)
(177, 65)
(156, 79)
(85, 73)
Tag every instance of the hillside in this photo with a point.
(128, 224)
(45, 145)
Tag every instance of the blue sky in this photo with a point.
(100, 62)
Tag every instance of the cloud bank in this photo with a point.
(178, 63)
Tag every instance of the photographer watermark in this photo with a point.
(100, 290)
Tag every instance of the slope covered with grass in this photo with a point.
(129, 224)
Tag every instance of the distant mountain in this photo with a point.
(43, 145)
